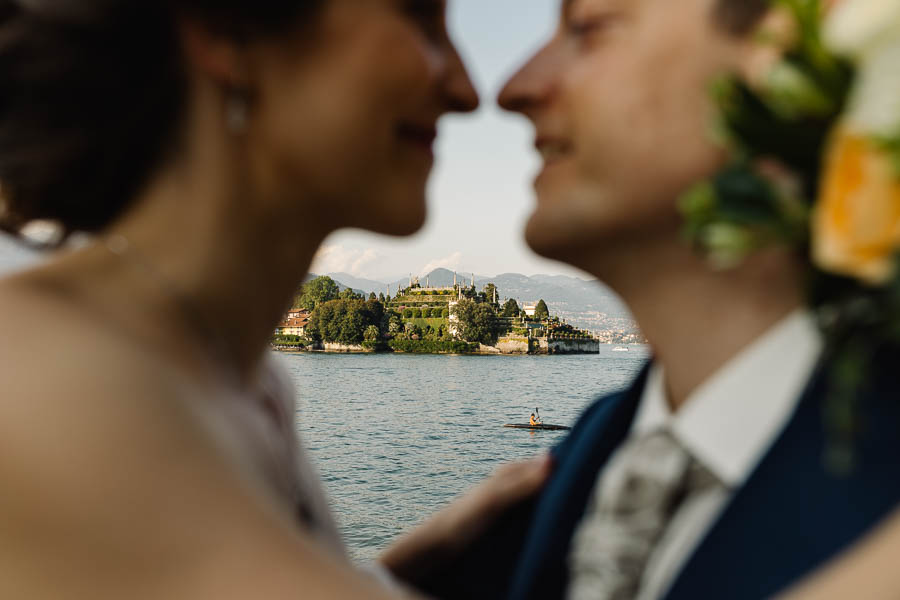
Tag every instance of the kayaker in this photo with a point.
(534, 421)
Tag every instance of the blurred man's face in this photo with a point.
(620, 100)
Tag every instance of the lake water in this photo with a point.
(397, 437)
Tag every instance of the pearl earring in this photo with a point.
(236, 113)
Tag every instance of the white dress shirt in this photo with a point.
(727, 424)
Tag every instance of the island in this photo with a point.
(422, 319)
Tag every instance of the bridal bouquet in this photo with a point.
(815, 140)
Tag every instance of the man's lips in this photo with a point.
(417, 134)
(552, 149)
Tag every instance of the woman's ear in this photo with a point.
(214, 55)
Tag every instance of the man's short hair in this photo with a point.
(740, 16)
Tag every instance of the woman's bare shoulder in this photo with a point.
(120, 489)
(48, 343)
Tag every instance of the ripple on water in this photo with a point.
(396, 437)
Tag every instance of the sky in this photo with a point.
(480, 194)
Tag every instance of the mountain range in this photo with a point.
(584, 303)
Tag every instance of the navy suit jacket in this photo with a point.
(792, 514)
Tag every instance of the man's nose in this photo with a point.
(533, 84)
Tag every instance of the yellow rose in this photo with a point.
(856, 223)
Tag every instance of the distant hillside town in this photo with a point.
(422, 316)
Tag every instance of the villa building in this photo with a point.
(294, 323)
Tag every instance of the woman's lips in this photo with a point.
(420, 136)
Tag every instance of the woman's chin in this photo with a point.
(551, 237)
(400, 225)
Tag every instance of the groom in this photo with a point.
(706, 478)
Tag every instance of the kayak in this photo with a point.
(539, 427)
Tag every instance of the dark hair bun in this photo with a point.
(91, 92)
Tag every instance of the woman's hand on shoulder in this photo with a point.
(867, 570)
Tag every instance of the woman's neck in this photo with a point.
(217, 253)
(220, 266)
(697, 319)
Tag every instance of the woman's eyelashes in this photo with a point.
(428, 15)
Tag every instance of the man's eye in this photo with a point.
(582, 28)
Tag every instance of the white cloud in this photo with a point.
(367, 257)
(448, 262)
(335, 258)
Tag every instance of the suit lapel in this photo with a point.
(542, 569)
(793, 514)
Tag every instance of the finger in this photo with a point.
(516, 481)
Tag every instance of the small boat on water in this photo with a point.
(621, 349)
(538, 427)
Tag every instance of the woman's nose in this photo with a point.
(458, 87)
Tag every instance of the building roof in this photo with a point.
(292, 322)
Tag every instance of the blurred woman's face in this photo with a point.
(346, 112)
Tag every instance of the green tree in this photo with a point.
(511, 308)
(371, 334)
(413, 331)
(318, 291)
(344, 321)
(417, 313)
(373, 297)
(542, 312)
(489, 291)
(445, 313)
(395, 323)
(426, 313)
(382, 299)
(376, 311)
(477, 322)
(407, 313)
(348, 294)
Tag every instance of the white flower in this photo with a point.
(855, 27)
(868, 32)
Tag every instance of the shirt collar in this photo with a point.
(729, 422)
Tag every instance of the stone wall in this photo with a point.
(332, 347)
(573, 347)
(522, 345)
(482, 349)
(505, 345)
(513, 345)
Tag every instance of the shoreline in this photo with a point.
(287, 351)
(492, 352)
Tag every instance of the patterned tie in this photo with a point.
(628, 514)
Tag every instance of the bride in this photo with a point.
(207, 148)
